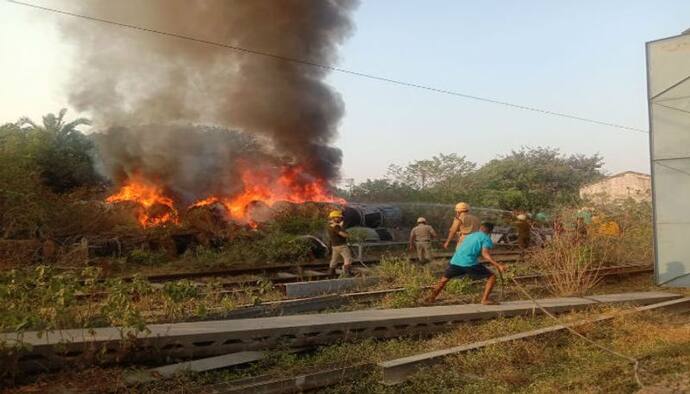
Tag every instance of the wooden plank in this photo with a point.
(201, 365)
(398, 370)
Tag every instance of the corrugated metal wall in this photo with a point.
(668, 79)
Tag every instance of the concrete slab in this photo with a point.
(295, 384)
(201, 365)
(209, 338)
(398, 370)
(286, 275)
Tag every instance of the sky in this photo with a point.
(584, 58)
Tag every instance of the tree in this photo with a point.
(21, 193)
(382, 190)
(66, 162)
(534, 179)
(441, 178)
(54, 125)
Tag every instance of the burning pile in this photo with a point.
(154, 208)
(149, 93)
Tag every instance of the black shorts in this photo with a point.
(478, 271)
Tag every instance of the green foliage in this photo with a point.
(145, 257)
(460, 286)
(530, 179)
(283, 247)
(357, 235)
(407, 298)
(47, 299)
(65, 159)
(412, 277)
(38, 164)
(381, 190)
(298, 221)
(400, 272)
(180, 290)
(534, 179)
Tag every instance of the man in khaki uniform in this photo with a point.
(464, 224)
(420, 238)
(339, 248)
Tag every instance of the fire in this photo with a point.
(149, 197)
(288, 187)
(291, 184)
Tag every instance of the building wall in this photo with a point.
(619, 187)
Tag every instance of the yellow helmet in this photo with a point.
(335, 215)
(462, 207)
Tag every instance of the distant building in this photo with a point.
(621, 186)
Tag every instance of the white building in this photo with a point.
(621, 186)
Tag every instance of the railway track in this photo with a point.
(286, 273)
(328, 301)
(235, 278)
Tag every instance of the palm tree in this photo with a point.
(55, 125)
(65, 157)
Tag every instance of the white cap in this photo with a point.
(421, 220)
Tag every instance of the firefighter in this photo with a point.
(464, 223)
(338, 238)
(523, 230)
(420, 238)
(465, 263)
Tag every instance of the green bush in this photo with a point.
(145, 257)
(284, 247)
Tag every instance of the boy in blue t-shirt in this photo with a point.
(465, 262)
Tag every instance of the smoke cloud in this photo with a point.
(192, 162)
(128, 78)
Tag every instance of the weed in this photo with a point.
(461, 286)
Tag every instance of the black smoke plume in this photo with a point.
(126, 78)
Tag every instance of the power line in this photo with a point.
(332, 68)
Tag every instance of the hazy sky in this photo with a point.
(584, 58)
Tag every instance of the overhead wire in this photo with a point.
(333, 68)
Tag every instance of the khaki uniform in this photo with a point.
(342, 250)
(422, 235)
(523, 230)
(464, 224)
(339, 247)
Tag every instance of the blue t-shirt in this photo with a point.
(471, 248)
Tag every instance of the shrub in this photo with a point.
(572, 267)
(145, 257)
(285, 247)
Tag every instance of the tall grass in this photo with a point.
(573, 260)
(572, 267)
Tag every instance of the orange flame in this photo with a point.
(288, 187)
(258, 186)
(147, 196)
